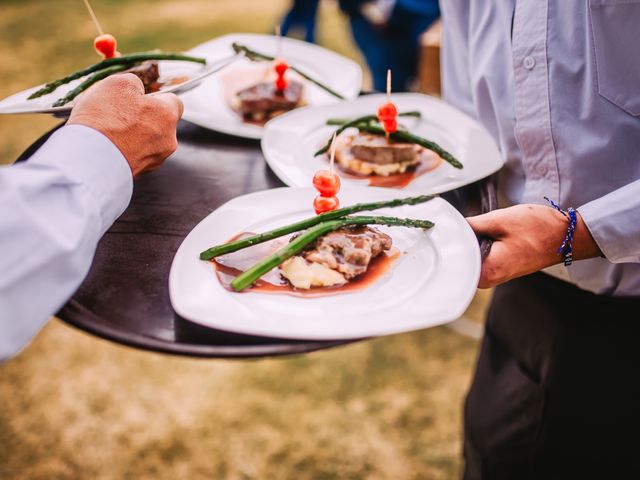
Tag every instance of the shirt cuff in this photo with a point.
(614, 223)
(89, 158)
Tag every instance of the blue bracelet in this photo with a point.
(566, 248)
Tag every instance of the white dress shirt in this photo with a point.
(54, 209)
(557, 83)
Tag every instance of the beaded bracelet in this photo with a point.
(567, 245)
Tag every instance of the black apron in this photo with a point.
(556, 392)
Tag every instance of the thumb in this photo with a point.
(490, 224)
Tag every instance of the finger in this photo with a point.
(490, 224)
(172, 102)
(493, 270)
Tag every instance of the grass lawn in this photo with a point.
(76, 407)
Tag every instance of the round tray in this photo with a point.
(125, 296)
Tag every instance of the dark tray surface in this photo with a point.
(125, 296)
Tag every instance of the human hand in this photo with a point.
(526, 239)
(143, 127)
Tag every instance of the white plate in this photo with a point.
(431, 283)
(208, 107)
(19, 102)
(290, 140)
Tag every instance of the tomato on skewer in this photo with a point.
(281, 67)
(387, 111)
(325, 204)
(106, 45)
(327, 183)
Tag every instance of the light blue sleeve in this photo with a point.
(53, 211)
(614, 223)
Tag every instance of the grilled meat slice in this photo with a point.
(365, 154)
(376, 149)
(336, 257)
(148, 73)
(349, 250)
(262, 101)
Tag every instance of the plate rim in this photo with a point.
(452, 314)
(282, 174)
(257, 134)
(66, 109)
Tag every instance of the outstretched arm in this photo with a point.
(55, 208)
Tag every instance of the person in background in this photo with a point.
(555, 393)
(302, 15)
(387, 32)
(55, 207)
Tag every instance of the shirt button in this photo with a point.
(529, 62)
(542, 170)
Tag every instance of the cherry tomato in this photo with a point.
(387, 111)
(390, 126)
(105, 45)
(281, 84)
(281, 67)
(327, 183)
(325, 204)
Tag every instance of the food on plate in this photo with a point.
(255, 56)
(332, 248)
(110, 66)
(380, 147)
(336, 257)
(372, 148)
(263, 101)
(269, 98)
(149, 73)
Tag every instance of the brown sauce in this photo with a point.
(229, 266)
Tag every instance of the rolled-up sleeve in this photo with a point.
(53, 211)
(614, 223)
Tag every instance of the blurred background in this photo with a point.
(74, 406)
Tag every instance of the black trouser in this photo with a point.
(556, 392)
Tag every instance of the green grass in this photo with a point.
(73, 406)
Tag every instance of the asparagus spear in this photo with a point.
(366, 124)
(356, 122)
(308, 223)
(342, 121)
(257, 57)
(248, 277)
(124, 59)
(96, 77)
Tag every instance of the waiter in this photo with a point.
(55, 208)
(557, 83)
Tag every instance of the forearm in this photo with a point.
(54, 209)
(614, 223)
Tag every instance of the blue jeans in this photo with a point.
(393, 47)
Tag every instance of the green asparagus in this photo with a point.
(258, 57)
(124, 59)
(96, 77)
(342, 121)
(308, 223)
(369, 124)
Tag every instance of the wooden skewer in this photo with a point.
(389, 85)
(278, 42)
(333, 153)
(388, 94)
(93, 17)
